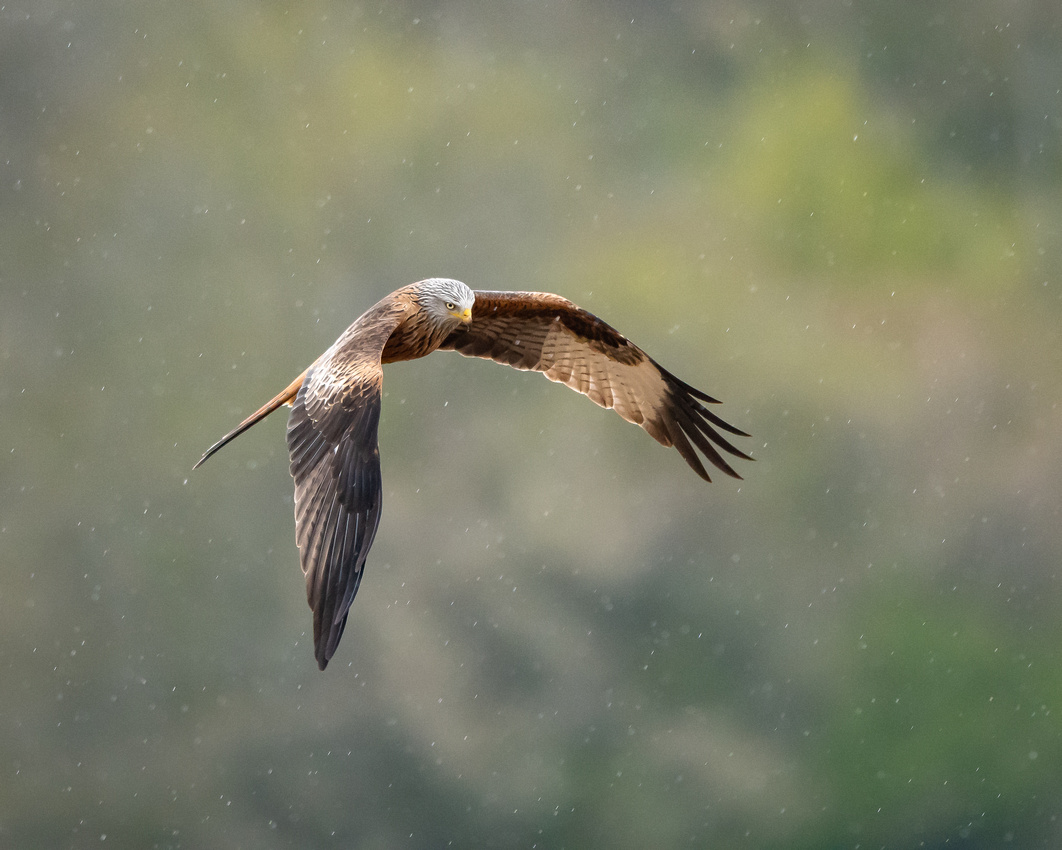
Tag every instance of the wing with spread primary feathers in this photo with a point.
(549, 334)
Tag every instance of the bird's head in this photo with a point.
(449, 301)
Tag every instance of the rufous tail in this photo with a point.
(286, 396)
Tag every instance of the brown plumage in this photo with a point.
(335, 459)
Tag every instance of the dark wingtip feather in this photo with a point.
(718, 421)
(677, 434)
(688, 420)
(326, 641)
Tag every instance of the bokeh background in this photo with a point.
(843, 219)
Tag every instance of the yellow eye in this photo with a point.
(450, 305)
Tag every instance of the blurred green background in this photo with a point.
(845, 220)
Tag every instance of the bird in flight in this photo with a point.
(332, 428)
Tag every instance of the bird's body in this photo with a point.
(332, 429)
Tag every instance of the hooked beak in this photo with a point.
(466, 316)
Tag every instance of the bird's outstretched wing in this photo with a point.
(547, 333)
(335, 461)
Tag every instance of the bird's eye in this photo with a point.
(450, 305)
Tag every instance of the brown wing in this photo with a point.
(547, 333)
(335, 461)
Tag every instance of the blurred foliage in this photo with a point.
(844, 221)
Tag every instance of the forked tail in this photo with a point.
(286, 396)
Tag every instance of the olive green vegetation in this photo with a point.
(845, 222)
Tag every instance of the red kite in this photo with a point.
(335, 458)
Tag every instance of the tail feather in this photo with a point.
(286, 396)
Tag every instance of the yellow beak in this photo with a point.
(466, 315)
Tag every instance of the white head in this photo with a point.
(449, 301)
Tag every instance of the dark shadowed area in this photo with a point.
(843, 220)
